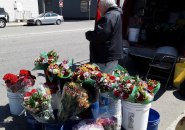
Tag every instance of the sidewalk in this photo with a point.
(13, 24)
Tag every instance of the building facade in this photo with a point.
(70, 9)
(20, 9)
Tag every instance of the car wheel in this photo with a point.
(2, 23)
(38, 22)
(58, 22)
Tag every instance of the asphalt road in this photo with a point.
(20, 45)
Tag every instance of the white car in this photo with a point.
(46, 18)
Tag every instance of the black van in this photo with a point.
(4, 18)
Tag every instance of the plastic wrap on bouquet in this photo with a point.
(143, 95)
(37, 101)
(113, 107)
(108, 122)
(153, 86)
(88, 125)
(119, 71)
(74, 100)
(41, 63)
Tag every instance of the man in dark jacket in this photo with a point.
(106, 40)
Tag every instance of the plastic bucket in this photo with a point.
(95, 109)
(33, 124)
(53, 126)
(135, 115)
(133, 34)
(112, 106)
(179, 75)
(68, 125)
(153, 120)
(15, 103)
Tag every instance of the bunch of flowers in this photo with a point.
(37, 101)
(143, 95)
(125, 92)
(108, 123)
(121, 72)
(88, 125)
(73, 101)
(65, 68)
(62, 70)
(86, 72)
(135, 90)
(153, 85)
(43, 61)
(17, 83)
(58, 73)
(108, 82)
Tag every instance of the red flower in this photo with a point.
(116, 93)
(24, 72)
(28, 94)
(99, 75)
(10, 79)
(112, 77)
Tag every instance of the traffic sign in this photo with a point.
(61, 4)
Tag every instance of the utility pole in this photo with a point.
(89, 9)
(43, 6)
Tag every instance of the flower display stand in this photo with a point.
(15, 103)
(135, 115)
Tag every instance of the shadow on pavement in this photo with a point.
(11, 122)
(178, 96)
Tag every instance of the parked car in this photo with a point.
(4, 18)
(46, 18)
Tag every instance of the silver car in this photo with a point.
(46, 18)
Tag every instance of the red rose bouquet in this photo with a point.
(37, 101)
(17, 83)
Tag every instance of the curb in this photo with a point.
(174, 124)
(15, 24)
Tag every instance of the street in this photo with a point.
(20, 45)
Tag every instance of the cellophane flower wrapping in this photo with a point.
(37, 101)
(119, 71)
(153, 85)
(143, 94)
(65, 73)
(108, 83)
(17, 83)
(108, 122)
(74, 100)
(45, 59)
(88, 125)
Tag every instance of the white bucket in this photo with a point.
(135, 115)
(133, 34)
(15, 103)
(113, 107)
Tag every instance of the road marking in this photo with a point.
(40, 33)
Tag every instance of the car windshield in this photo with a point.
(2, 10)
(41, 15)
